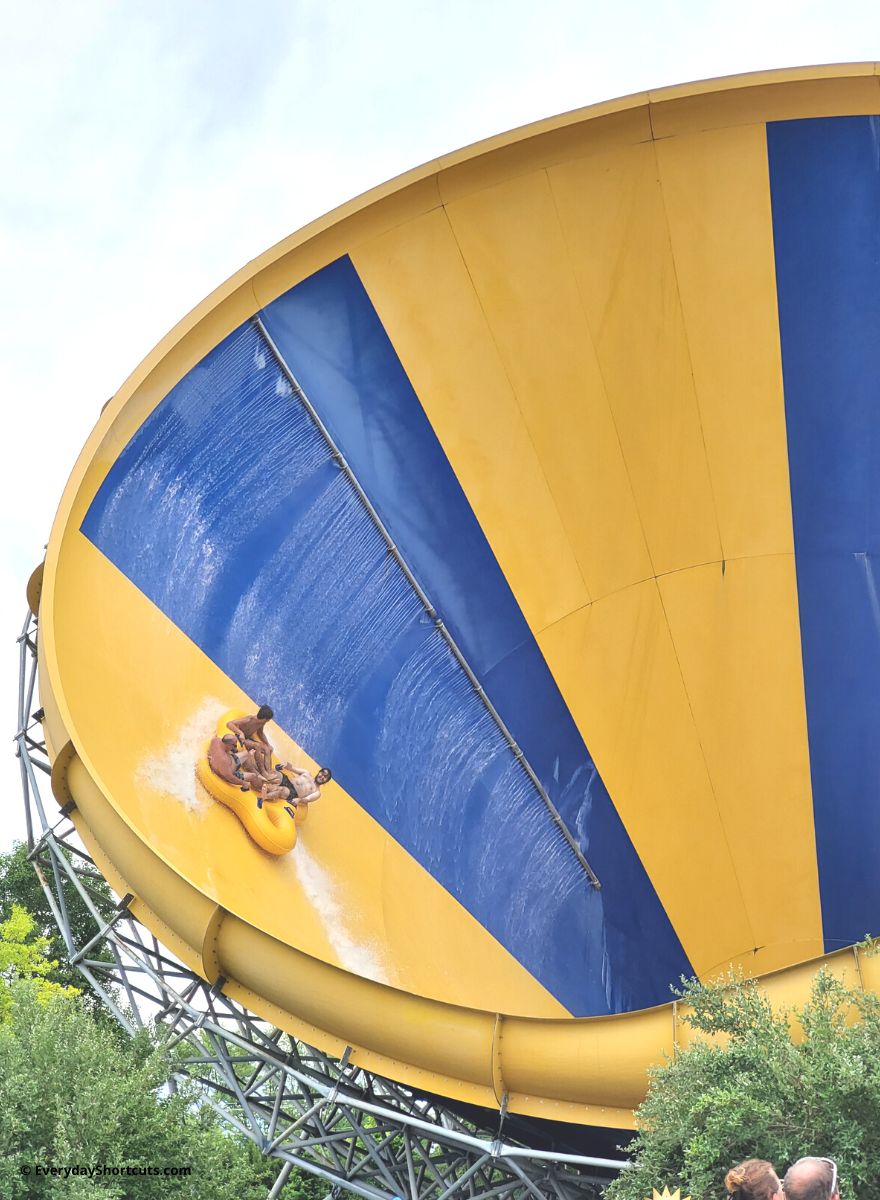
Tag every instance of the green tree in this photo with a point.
(74, 1089)
(19, 884)
(72, 1094)
(25, 958)
(748, 1089)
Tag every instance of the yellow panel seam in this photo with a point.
(717, 562)
(368, 240)
(687, 342)
(712, 562)
(705, 764)
(515, 395)
(589, 332)
(789, 942)
(565, 616)
(786, 554)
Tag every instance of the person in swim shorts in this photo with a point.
(222, 762)
(304, 787)
(250, 732)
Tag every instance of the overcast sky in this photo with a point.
(148, 149)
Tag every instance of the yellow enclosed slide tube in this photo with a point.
(591, 1071)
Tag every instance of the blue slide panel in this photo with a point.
(228, 512)
(825, 189)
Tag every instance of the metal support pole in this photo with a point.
(394, 551)
(280, 1181)
(360, 1133)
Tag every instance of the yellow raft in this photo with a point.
(271, 823)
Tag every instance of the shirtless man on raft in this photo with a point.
(248, 755)
(240, 769)
(222, 761)
(303, 785)
(250, 732)
(293, 785)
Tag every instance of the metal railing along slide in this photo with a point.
(358, 1132)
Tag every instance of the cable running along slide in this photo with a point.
(537, 493)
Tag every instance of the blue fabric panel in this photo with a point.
(330, 334)
(271, 565)
(825, 188)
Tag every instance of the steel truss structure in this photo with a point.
(358, 1132)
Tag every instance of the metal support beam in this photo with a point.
(361, 1133)
(394, 551)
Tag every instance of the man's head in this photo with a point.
(229, 740)
(811, 1178)
(323, 776)
(265, 713)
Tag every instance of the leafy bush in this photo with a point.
(72, 1094)
(76, 1092)
(747, 1090)
(19, 885)
(23, 956)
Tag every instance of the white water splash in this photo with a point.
(871, 582)
(172, 770)
(361, 958)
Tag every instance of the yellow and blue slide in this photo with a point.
(538, 493)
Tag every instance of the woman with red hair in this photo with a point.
(754, 1179)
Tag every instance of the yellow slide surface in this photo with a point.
(515, 489)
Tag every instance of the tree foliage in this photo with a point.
(74, 1095)
(25, 957)
(765, 1085)
(75, 1091)
(19, 885)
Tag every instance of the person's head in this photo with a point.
(265, 713)
(754, 1179)
(811, 1178)
(229, 739)
(323, 776)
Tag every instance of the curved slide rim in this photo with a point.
(589, 1070)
